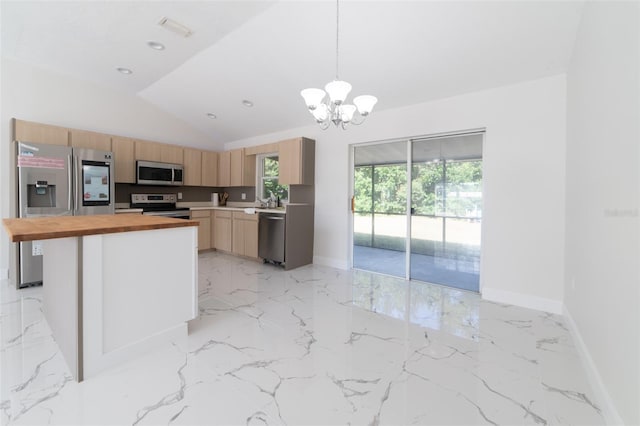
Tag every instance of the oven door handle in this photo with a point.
(175, 215)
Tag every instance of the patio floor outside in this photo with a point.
(443, 250)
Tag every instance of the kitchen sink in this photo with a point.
(269, 208)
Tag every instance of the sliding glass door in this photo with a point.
(380, 205)
(440, 225)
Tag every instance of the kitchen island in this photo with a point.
(114, 286)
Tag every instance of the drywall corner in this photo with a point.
(334, 263)
(609, 412)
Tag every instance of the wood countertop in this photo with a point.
(44, 228)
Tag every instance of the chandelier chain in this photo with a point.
(332, 108)
(337, 34)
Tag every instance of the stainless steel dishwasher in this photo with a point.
(271, 237)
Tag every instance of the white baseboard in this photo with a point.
(609, 411)
(522, 300)
(329, 261)
(4, 274)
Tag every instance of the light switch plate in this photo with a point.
(179, 195)
(243, 196)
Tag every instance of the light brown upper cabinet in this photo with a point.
(27, 131)
(124, 157)
(90, 140)
(171, 154)
(209, 168)
(261, 149)
(243, 168)
(224, 168)
(297, 161)
(148, 151)
(192, 167)
(200, 167)
(249, 170)
(155, 151)
(237, 167)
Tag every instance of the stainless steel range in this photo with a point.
(159, 205)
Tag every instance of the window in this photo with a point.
(267, 173)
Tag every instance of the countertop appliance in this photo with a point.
(271, 237)
(55, 180)
(159, 205)
(155, 173)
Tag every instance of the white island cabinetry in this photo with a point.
(114, 286)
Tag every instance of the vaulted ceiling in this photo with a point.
(403, 52)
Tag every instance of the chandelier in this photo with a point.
(334, 110)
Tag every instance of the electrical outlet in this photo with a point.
(36, 248)
(179, 195)
(243, 196)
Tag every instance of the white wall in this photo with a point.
(602, 285)
(34, 94)
(524, 175)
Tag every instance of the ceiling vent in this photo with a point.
(174, 27)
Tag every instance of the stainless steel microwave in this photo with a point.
(154, 173)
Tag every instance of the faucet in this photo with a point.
(272, 201)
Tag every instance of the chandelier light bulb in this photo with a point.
(321, 113)
(338, 91)
(313, 97)
(365, 103)
(346, 113)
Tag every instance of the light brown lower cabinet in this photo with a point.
(235, 232)
(204, 230)
(245, 234)
(222, 230)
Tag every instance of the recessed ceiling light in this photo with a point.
(124, 70)
(211, 115)
(247, 103)
(155, 45)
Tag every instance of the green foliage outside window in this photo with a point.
(452, 188)
(270, 166)
(390, 189)
(270, 173)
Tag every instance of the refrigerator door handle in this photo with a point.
(69, 183)
(76, 186)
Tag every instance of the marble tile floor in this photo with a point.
(314, 345)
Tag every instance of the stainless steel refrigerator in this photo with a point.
(57, 180)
